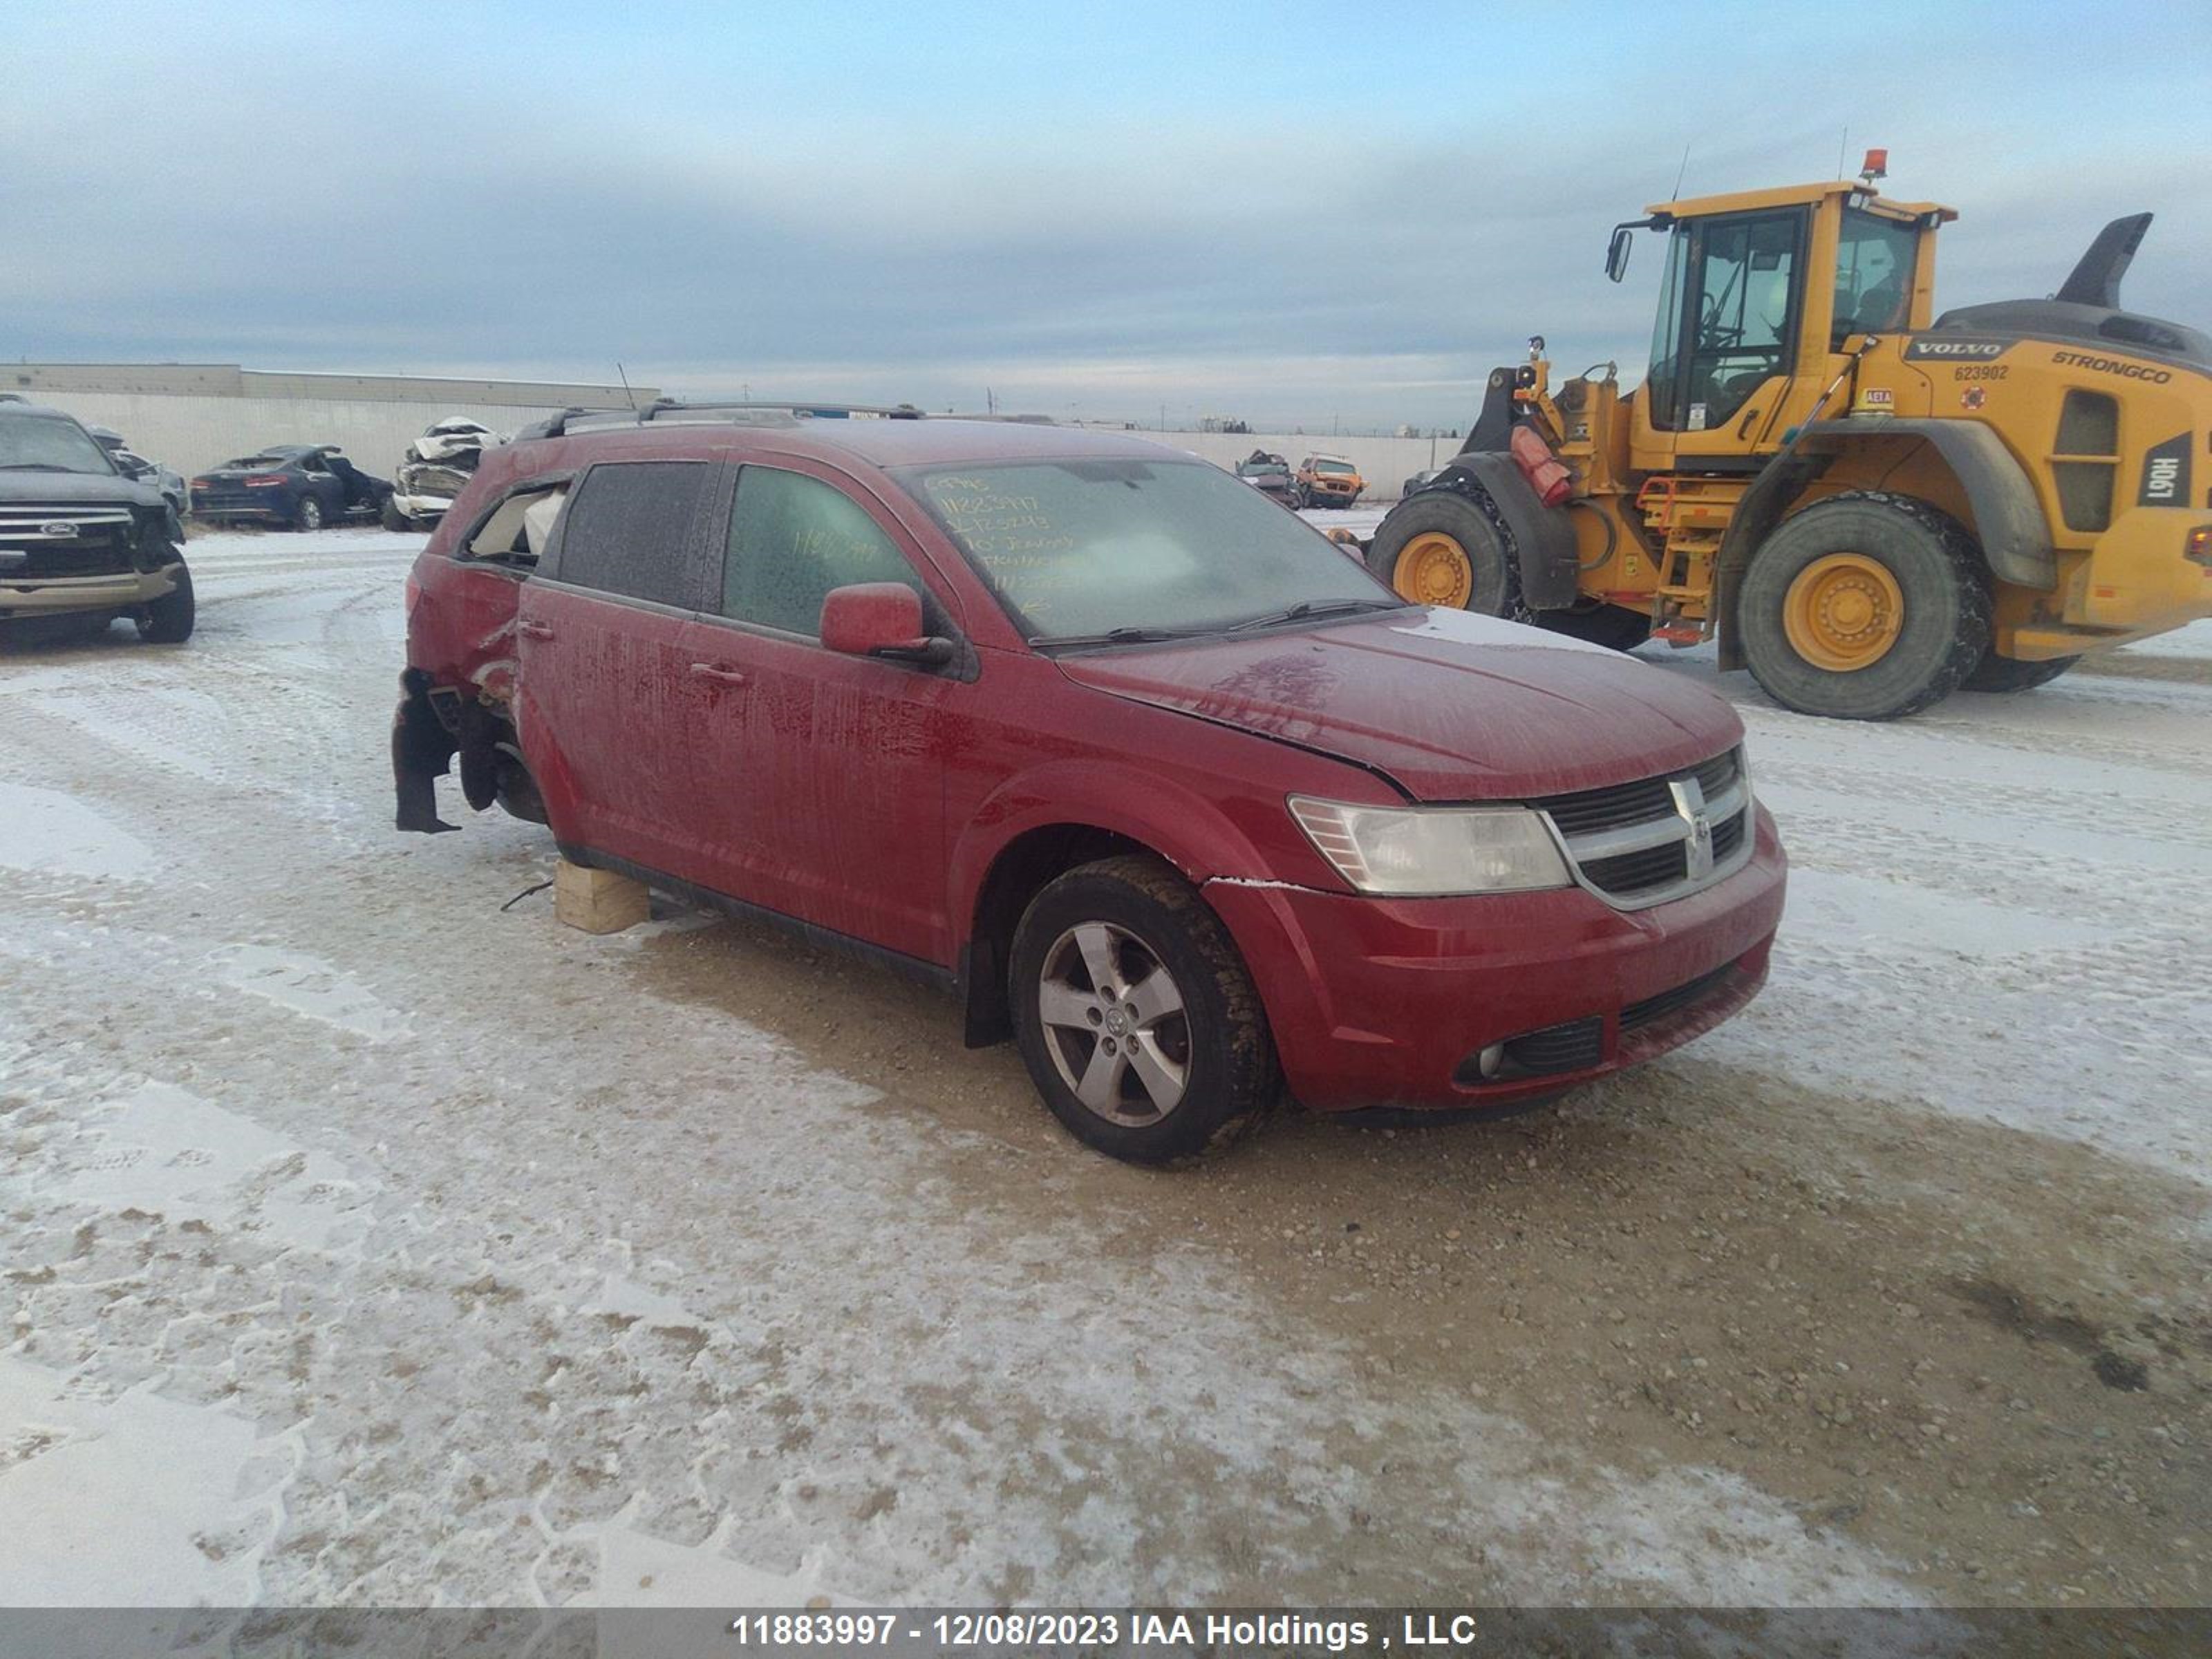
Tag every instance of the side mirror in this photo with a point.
(880, 619)
(1617, 252)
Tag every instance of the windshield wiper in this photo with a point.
(1307, 608)
(1120, 636)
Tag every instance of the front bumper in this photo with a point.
(1385, 1002)
(48, 596)
(421, 506)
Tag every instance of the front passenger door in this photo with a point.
(822, 774)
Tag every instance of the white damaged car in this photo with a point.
(438, 464)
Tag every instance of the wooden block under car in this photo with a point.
(599, 901)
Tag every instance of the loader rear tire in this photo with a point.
(1995, 673)
(1442, 548)
(1867, 606)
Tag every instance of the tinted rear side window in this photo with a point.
(632, 530)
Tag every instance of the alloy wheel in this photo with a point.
(1114, 1023)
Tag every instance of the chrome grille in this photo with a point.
(1609, 809)
(21, 522)
(65, 539)
(1640, 844)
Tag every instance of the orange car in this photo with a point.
(1326, 481)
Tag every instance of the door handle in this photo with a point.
(534, 630)
(714, 671)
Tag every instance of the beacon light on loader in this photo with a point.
(2199, 550)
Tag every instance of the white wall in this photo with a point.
(192, 434)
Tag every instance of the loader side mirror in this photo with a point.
(1617, 252)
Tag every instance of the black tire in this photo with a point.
(1615, 627)
(1995, 673)
(308, 515)
(168, 620)
(1942, 586)
(394, 520)
(1495, 590)
(1229, 1075)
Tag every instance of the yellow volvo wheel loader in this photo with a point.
(1868, 505)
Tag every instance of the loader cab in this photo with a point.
(1760, 296)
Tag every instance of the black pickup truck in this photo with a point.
(80, 539)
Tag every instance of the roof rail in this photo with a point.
(734, 412)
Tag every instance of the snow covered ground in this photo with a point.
(369, 1243)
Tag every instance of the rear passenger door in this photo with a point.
(822, 773)
(605, 700)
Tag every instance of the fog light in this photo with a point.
(1491, 1061)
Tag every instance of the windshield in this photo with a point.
(42, 443)
(1333, 466)
(1078, 548)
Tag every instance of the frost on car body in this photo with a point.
(1153, 777)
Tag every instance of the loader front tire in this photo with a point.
(1867, 606)
(1441, 547)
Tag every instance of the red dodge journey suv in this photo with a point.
(1148, 773)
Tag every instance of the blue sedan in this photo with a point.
(303, 486)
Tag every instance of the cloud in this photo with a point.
(715, 229)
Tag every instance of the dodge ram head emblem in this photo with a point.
(1697, 828)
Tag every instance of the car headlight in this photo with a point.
(1433, 849)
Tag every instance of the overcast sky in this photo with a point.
(1278, 212)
